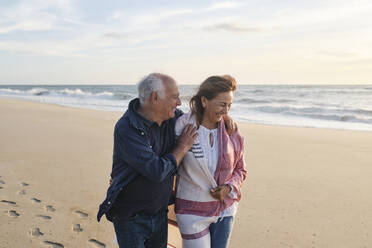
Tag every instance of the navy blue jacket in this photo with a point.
(134, 155)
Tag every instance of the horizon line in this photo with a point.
(253, 83)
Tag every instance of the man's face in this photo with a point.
(170, 101)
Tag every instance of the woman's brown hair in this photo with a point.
(210, 88)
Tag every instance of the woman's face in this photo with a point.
(215, 108)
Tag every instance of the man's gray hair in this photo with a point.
(148, 85)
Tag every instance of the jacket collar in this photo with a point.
(135, 119)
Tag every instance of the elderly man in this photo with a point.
(145, 161)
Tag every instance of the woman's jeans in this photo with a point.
(142, 230)
(220, 232)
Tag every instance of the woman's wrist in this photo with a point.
(229, 187)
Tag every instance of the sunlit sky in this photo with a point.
(258, 41)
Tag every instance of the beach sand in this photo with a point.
(305, 187)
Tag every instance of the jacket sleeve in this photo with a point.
(239, 172)
(134, 149)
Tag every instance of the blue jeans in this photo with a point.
(220, 232)
(142, 230)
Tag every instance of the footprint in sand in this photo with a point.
(50, 208)
(81, 213)
(77, 228)
(9, 202)
(97, 243)
(35, 232)
(53, 244)
(24, 184)
(22, 192)
(13, 213)
(36, 200)
(2, 182)
(1, 187)
(45, 217)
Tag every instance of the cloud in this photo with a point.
(37, 15)
(45, 48)
(337, 54)
(136, 19)
(114, 35)
(223, 5)
(363, 62)
(324, 12)
(232, 27)
(31, 25)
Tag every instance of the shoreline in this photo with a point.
(305, 187)
(238, 121)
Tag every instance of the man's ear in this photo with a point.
(154, 97)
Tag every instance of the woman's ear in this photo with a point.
(203, 101)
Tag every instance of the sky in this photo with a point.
(120, 41)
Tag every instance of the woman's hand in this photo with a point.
(220, 192)
(230, 124)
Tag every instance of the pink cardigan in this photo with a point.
(230, 170)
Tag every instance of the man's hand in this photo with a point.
(185, 142)
(230, 124)
(220, 192)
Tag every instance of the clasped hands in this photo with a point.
(220, 192)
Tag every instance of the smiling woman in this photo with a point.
(212, 172)
(213, 99)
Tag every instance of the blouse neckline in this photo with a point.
(207, 129)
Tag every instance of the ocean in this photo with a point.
(335, 107)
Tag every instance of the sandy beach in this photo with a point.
(305, 187)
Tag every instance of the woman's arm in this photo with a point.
(239, 172)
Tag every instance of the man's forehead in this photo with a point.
(169, 82)
(172, 90)
(170, 85)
